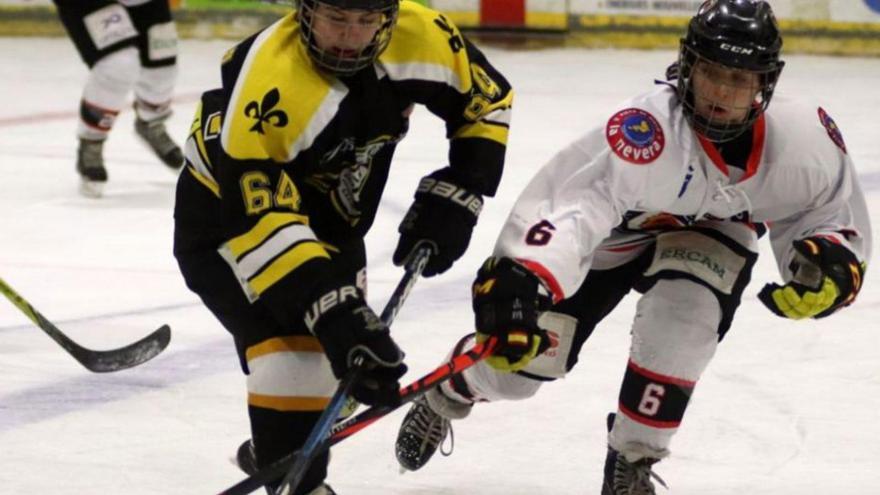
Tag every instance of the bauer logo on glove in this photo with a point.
(443, 215)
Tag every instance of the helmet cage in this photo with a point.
(732, 34)
(348, 64)
(718, 130)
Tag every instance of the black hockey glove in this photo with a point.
(827, 277)
(347, 328)
(508, 298)
(443, 215)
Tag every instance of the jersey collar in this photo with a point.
(754, 160)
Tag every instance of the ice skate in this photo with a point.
(246, 460)
(90, 166)
(424, 429)
(155, 136)
(623, 477)
(628, 478)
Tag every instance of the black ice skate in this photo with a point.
(155, 136)
(246, 460)
(90, 166)
(421, 433)
(628, 478)
(425, 427)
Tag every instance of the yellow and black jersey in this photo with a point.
(286, 164)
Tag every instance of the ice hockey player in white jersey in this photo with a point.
(127, 45)
(669, 198)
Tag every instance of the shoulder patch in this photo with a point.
(832, 129)
(635, 136)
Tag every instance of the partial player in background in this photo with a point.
(127, 44)
(285, 167)
(669, 198)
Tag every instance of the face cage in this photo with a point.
(345, 66)
(719, 131)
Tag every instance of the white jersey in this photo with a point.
(602, 199)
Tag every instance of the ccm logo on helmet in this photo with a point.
(737, 49)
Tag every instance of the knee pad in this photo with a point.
(111, 78)
(675, 331)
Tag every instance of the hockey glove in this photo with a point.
(507, 300)
(827, 277)
(443, 215)
(347, 328)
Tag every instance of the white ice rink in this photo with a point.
(785, 408)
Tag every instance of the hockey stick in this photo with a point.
(98, 361)
(413, 270)
(411, 392)
(353, 425)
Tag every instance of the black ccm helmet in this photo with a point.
(345, 65)
(737, 34)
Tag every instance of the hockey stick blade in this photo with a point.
(93, 360)
(369, 416)
(126, 357)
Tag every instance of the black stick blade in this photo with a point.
(124, 357)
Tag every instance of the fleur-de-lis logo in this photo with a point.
(263, 112)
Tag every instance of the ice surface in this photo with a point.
(784, 408)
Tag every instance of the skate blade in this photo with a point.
(91, 189)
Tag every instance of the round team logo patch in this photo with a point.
(833, 131)
(635, 135)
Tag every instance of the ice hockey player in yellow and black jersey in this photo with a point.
(285, 166)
